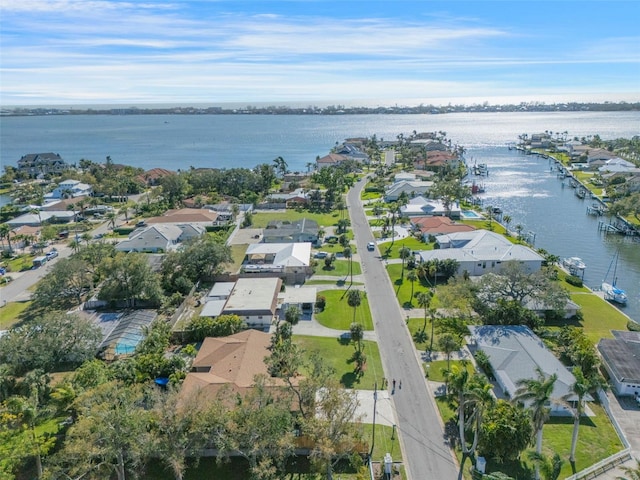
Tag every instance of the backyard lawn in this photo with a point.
(238, 253)
(339, 315)
(337, 353)
(599, 316)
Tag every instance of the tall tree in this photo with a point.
(536, 394)
(64, 286)
(576, 397)
(506, 432)
(412, 276)
(111, 435)
(129, 277)
(404, 253)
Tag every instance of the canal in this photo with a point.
(527, 188)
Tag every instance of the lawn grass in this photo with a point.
(403, 287)
(388, 251)
(340, 268)
(437, 368)
(384, 443)
(339, 315)
(599, 317)
(337, 354)
(11, 313)
(562, 277)
(238, 253)
(261, 219)
(19, 263)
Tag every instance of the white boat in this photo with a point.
(573, 264)
(610, 290)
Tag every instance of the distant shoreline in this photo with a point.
(327, 110)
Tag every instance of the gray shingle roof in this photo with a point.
(622, 354)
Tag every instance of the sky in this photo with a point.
(305, 52)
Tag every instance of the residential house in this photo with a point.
(303, 230)
(288, 260)
(481, 251)
(421, 207)
(303, 298)
(289, 199)
(515, 353)
(70, 189)
(35, 164)
(353, 152)
(434, 226)
(39, 219)
(152, 177)
(159, 238)
(411, 189)
(330, 160)
(614, 165)
(193, 216)
(621, 358)
(254, 300)
(231, 363)
(404, 177)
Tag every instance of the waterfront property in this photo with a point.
(422, 207)
(481, 251)
(35, 164)
(515, 354)
(411, 189)
(70, 189)
(621, 358)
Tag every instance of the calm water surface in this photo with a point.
(521, 185)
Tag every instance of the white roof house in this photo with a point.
(420, 206)
(515, 353)
(33, 219)
(159, 238)
(481, 251)
(69, 189)
(404, 177)
(617, 165)
(412, 189)
(285, 254)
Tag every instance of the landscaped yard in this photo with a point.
(437, 368)
(337, 353)
(597, 440)
(403, 287)
(339, 315)
(340, 268)
(412, 243)
(238, 253)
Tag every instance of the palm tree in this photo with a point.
(549, 467)
(633, 473)
(354, 299)
(5, 232)
(424, 301)
(405, 252)
(538, 392)
(448, 344)
(507, 220)
(111, 218)
(347, 254)
(580, 389)
(412, 276)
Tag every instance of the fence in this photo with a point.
(612, 461)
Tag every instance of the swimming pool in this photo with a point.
(470, 214)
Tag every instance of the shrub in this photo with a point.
(575, 281)
(321, 302)
(633, 326)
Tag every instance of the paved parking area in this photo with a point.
(244, 236)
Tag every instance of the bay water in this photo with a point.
(522, 186)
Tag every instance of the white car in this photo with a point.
(371, 246)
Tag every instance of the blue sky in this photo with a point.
(64, 52)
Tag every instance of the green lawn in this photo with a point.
(437, 368)
(339, 282)
(339, 315)
(11, 313)
(18, 264)
(562, 276)
(261, 219)
(403, 287)
(412, 243)
(337, 353)
(386, 442)
(237, 254)
(340, 268)
(600, 317)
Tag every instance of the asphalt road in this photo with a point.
(426, 454)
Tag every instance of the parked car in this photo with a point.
(98, 236)
(321, 254)
(371, 246)
(52, 254)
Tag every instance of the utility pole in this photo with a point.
(375, 400)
